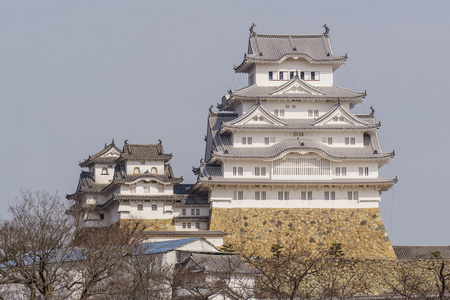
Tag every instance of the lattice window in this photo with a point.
(301, 166)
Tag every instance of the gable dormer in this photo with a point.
(257, 115)
(296, 86)
(339, 116)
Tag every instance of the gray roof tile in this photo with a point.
(97, 157)
(217, 263)
(266, 92)
(421, 252)
(275, 47)
(144, 152)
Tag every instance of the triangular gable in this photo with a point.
(296, 86)
(262, 115)
(338, 115)
(112, 152)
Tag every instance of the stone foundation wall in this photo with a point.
(360, 231)
(151, 224)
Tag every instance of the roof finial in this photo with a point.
(327, 30)
(159, 141)
(105, 145)
(210, 109)
(112, 142)
(258, 103)
(296, 73)
(125, 142)
(372, 110)
(201, 161)
(252, 33)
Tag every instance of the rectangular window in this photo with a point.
(313, 113)
(263, 171)
(313, 75)
(140, 207)
(275, 112)
(255, 118)
(188, 225)
(249, 140)
(197, 211)
(338, 171)
(306, 195)
(297, 133)
(330, 141)
(102, 216)
(352, 141)
(192, 212)
(154, 207)
(238, 171)
(283, 195)
(302, 75)
(244, 141)
(293, 106)
(286, 106)
(355, 195)
(330, 195)
(281, 76)
(291, 75)
(266, 140)
(257, 171)
(270, 75)
(344, 171)
(272, 139)
(363, 171)
(183, 211)
(281, 112)
(238, 195)
(257, 195)
(349, 195)
(347, 141)
(261, 119)
(197, 225)
(184, 225)
(263, 195)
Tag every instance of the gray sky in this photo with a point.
(75, 74)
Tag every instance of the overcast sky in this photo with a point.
(75, 74)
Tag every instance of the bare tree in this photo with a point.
(35, 244)
(289, 273)
(440, 272)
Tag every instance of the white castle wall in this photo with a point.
(300, 111)
(292, 65)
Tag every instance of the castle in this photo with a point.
(285, 160)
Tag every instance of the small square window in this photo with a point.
(140, 207)
(183, 211)
(102, 216)
(154, 207)
(270, 75)
(244, 141)
(261, 119)
(197, 211)
(266, 140)
(287, 106)
(197, 225)
(255, 118)
(188, 225)
(184, 225)
(293, 106)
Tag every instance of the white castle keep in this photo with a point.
(286, 141)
